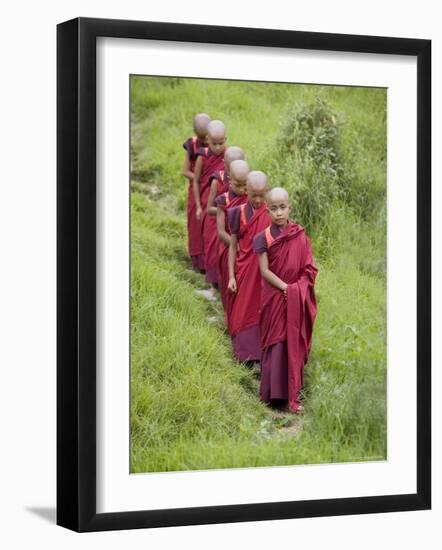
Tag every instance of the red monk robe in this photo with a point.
(226, 201)
(286, 323)
(243, 315)
(211, 164)
(194, 231)
(210, 234)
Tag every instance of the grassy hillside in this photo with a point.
(192, 405)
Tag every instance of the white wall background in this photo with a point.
(27, 288)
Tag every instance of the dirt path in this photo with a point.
(280, 424)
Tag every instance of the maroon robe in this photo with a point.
(286, 324)
(211, 164)
(225, 201)
(194, 233)
(243, 315)
(210, 232)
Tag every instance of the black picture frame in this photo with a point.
(76, 273)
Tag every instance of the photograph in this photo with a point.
(242, 216)
(258, 274)
(221, 309)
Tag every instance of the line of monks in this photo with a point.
(241, 236)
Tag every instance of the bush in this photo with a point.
(309, 161)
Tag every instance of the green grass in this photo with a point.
(192, 405)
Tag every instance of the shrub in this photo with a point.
(309, 160)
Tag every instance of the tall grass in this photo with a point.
(192, 405)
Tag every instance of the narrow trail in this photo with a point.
(280, 424)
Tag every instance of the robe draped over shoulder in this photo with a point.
(210, 234)
(243, 316)
(290, 320)
(194, 147)
(194, 226)
(210, 164)
(226, 201)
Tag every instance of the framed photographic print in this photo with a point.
(243, 274)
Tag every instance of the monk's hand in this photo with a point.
(232, 285)
(284, 291)
(199, 212)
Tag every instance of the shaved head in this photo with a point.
(257, 180)
(277, 194)
(239, 170)
(216, 129)
(278, 206)
(257, 186)
(233, 153)
(200, 123)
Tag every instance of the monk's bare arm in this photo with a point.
(187, 172)
(231, 263)
(211, 208)
(196, 186)
(221, 226)
(268, 275)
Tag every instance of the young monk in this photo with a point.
(245, 222)
(234, 196)
(288, 305)
(191, 148)
(209, 160)
(222, 177)
(219, 184)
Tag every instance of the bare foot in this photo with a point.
(299, 410)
